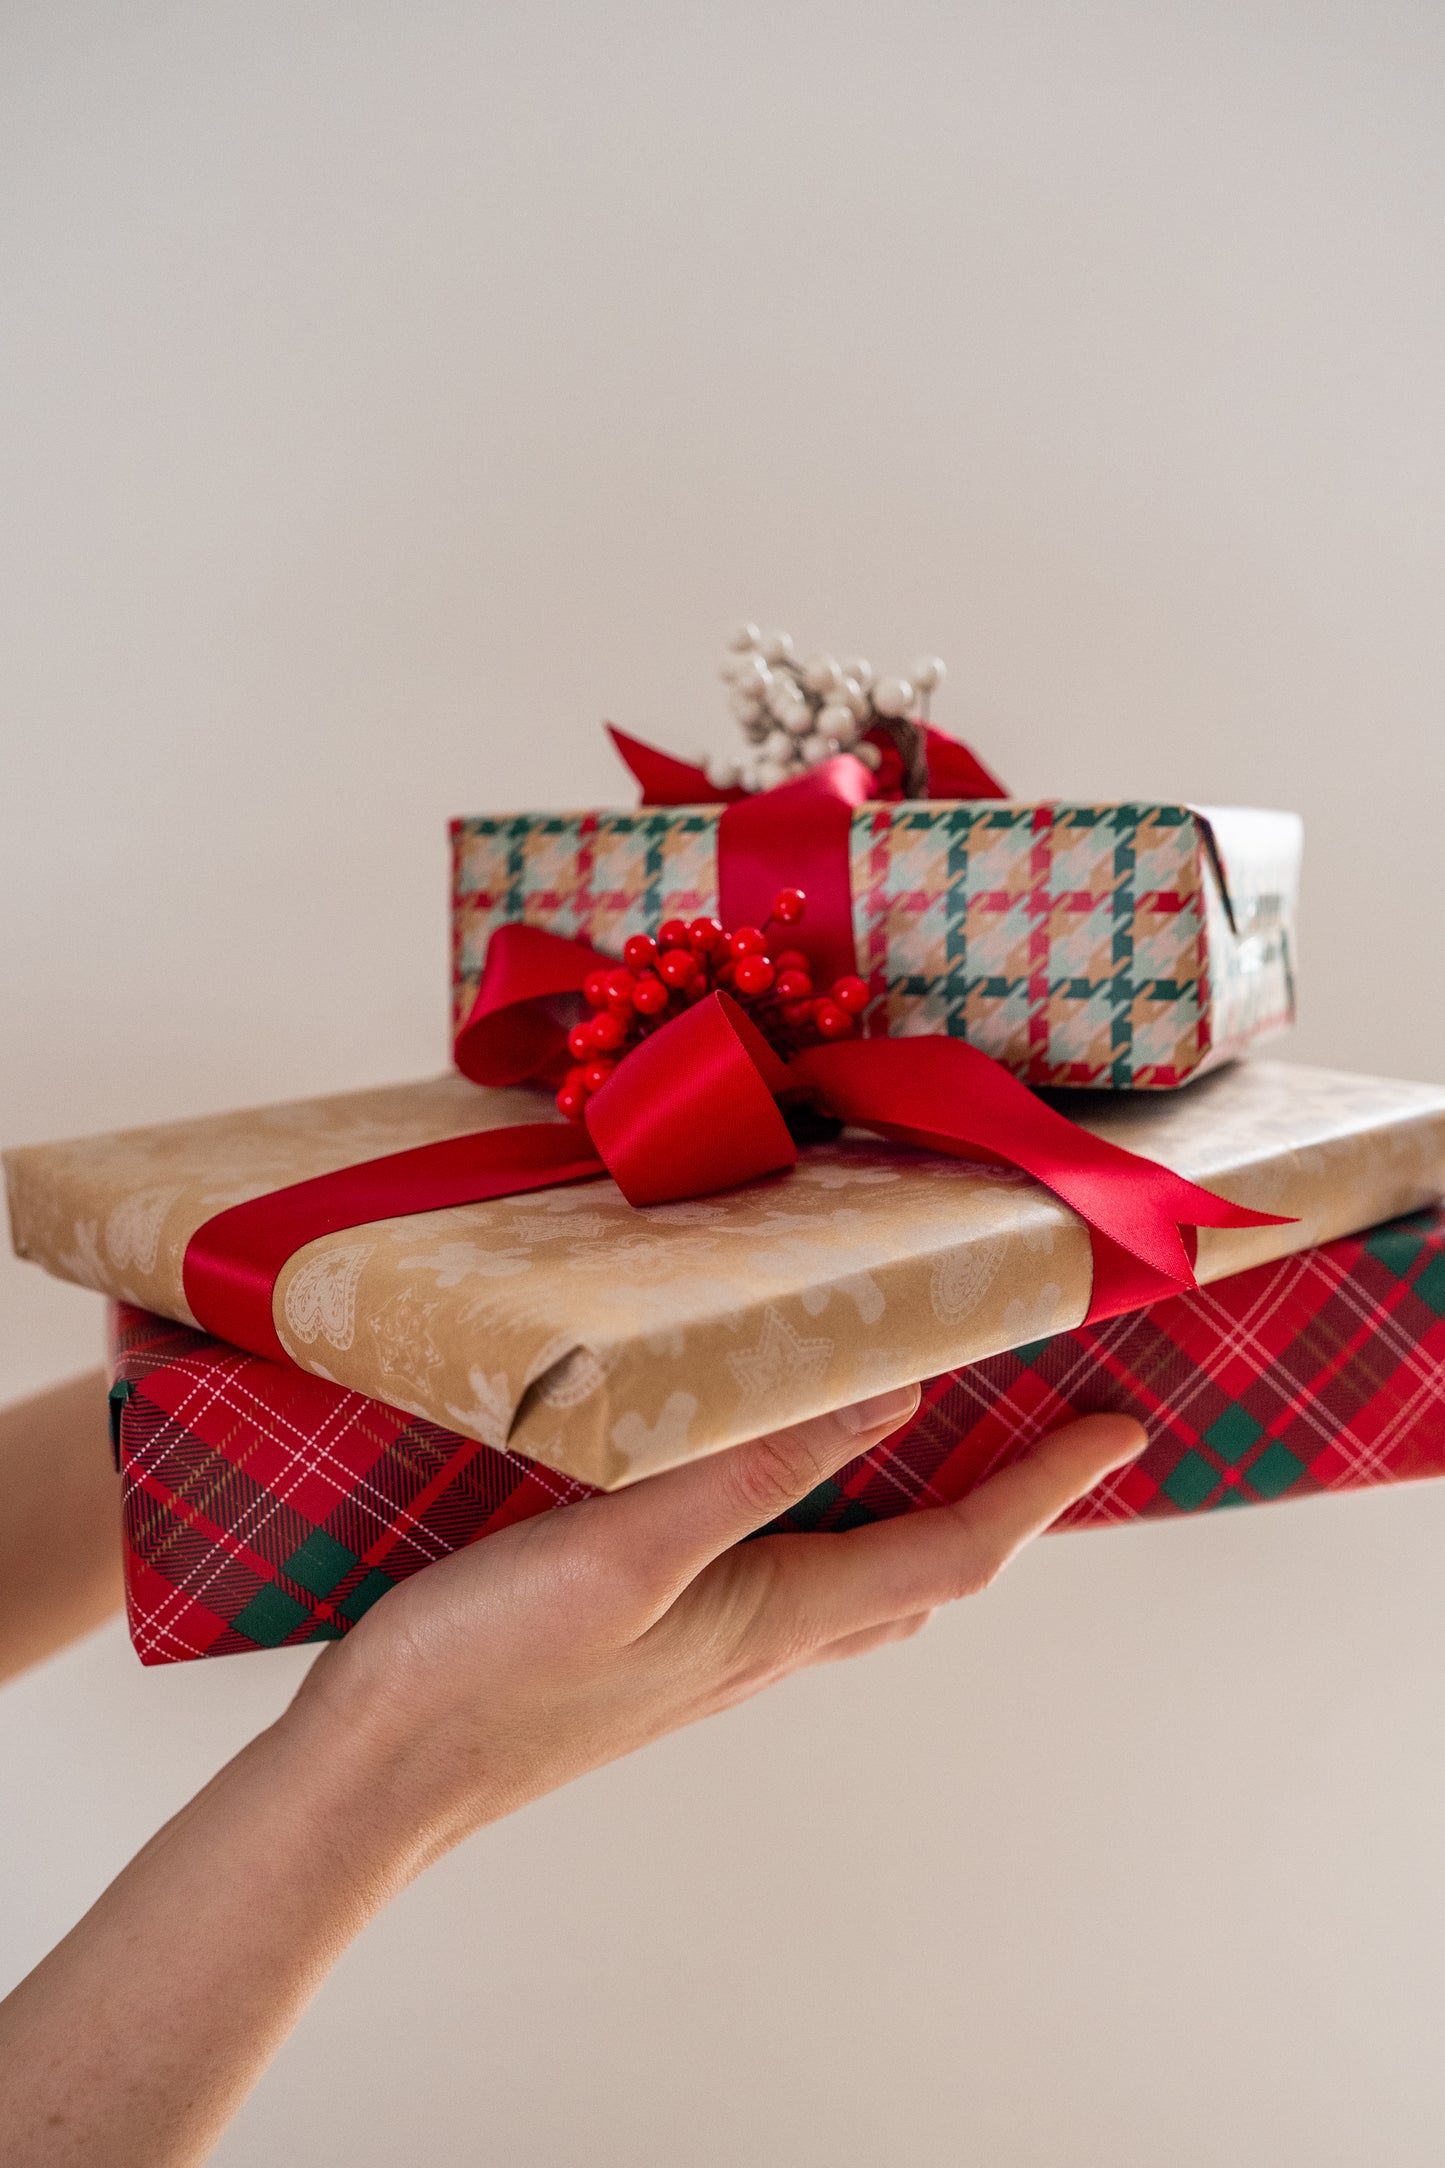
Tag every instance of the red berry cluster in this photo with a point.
(658, 979)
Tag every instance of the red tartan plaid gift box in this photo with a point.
(265, 1507)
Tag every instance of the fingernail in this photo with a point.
(883, 1411)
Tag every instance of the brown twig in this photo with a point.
(912, 750)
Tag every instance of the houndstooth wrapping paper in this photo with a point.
(264, 1508)
(1120, 946)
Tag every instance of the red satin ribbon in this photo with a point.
(695, 1107)
(954, 771)
(698, 1110)
(516, 1030)
(805, 826)
(233, 1262)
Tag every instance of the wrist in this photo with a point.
(330, 1806)
(386, 1775)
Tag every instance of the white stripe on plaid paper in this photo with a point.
(1238, 1336)
(217, 1378)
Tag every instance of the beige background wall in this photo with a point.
(388, 391)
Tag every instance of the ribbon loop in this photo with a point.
(512, 1035)
(693, 1109)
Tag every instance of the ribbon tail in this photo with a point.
(1122, 1282)
(950, 1097)
(955, 770)
(666, 780)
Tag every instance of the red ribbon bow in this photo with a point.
(698, 1106)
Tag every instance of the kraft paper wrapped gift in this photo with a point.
(608, 1342)
(265, 1508)
(1122, 946)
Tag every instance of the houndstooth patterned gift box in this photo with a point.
(1125, 946)
(264, 1507)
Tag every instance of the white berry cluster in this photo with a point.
(795, 714)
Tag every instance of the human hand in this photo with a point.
(569, 1640)
(492, 1677)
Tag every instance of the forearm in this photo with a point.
(60, 1537)
(137, 2038)
(497, 1674)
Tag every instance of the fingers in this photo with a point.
(673, 1525)
(829, 1590)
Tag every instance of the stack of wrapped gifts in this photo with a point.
(810, 1077)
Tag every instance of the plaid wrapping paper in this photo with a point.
(264, 1507)
(1123, 946)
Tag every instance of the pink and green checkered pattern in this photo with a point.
(1077, 944)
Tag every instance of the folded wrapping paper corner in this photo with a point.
(611, 1342)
